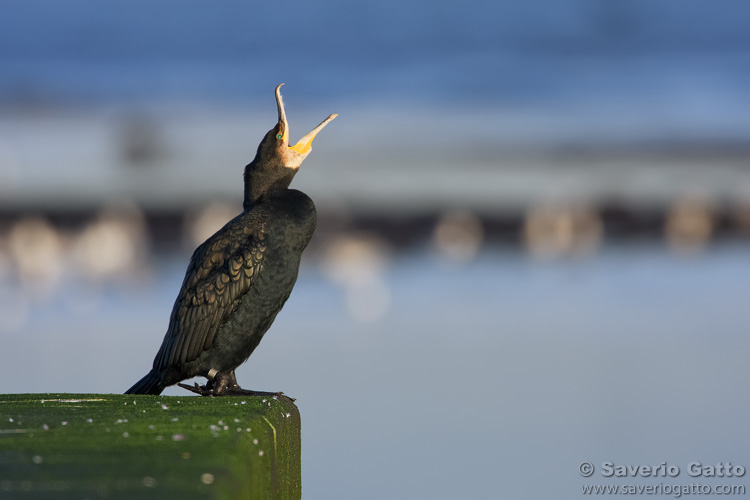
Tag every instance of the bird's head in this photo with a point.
(276, 161)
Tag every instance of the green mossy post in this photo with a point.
(148, 447)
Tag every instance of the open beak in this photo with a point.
(304, 145)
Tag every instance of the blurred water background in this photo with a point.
(534, 217)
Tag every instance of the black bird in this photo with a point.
(239, 278)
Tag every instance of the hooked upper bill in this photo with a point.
(304, 145)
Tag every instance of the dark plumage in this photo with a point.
(239, 279)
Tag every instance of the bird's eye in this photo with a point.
(279, 136)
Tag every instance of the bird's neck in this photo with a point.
(264, 179)
(253, 195)
(259, 188)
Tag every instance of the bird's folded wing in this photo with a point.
(220, 272)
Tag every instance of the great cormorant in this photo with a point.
(239, 278)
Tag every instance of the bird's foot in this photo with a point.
(239, 391)
(226, 385)
(201, 390)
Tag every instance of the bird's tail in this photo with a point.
(150, 384)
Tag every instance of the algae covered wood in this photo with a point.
(123, 446)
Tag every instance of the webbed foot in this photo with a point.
(239, 391)
(201, 390)
(225, 384)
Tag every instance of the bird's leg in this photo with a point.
(232, 382)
